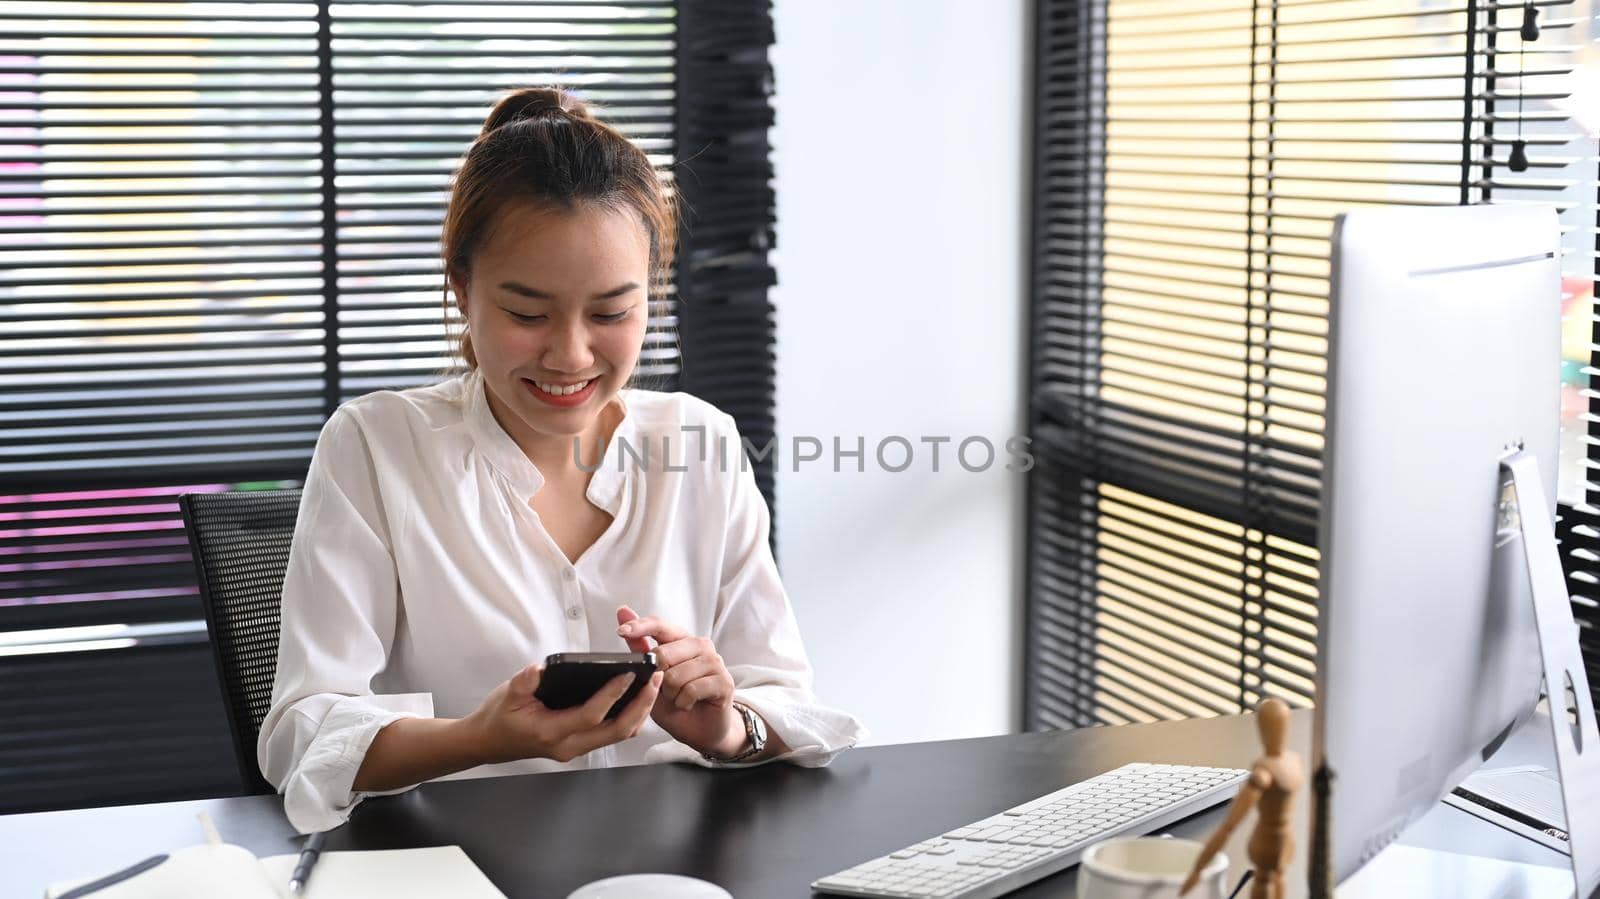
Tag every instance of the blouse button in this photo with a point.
(574, 613)
(568, 574)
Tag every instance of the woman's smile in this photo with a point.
(561, 395)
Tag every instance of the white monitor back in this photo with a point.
(1444, 352)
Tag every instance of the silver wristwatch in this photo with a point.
(755, 734)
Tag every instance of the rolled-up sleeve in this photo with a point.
(340, 603)
(758, 638)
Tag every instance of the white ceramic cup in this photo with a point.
(1148, 868)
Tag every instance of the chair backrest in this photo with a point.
(240, 542)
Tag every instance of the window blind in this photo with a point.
(219, 220)
(1189, 160)
(726, 328)
(160, 285)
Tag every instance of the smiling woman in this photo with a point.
(550, 209)
(448, 540)
(555, 354)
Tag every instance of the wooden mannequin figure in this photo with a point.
(1274, 779)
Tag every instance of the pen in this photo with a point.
(308, 857)
(113, 879)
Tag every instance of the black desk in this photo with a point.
(762, 832)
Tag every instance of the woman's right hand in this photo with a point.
(510, 724)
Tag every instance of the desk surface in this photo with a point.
(762, 832)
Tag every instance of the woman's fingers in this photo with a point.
(594, 710)
(634, 713)
(513, 725)
(702, 678)
(625, 725)
(715, 688)
(525, 682)
(682, 673)
(635, 644)
(670, 655)
(686, 660)
(651, 627)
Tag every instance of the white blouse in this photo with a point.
(420, 578)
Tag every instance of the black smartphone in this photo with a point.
(570, 678)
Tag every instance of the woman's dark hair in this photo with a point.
(541, 145)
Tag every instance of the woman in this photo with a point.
(450, 535)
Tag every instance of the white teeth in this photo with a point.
(558, 390)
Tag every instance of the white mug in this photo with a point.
(1148, 868)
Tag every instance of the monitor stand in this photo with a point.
(1574, 735)
(1577, 742)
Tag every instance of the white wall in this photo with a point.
(901, 158)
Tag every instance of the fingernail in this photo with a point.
(625, 630)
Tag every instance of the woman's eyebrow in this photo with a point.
(537, 294)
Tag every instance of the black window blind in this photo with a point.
(1189, 159)
(219, 220)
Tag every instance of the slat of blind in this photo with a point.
(1181, 315)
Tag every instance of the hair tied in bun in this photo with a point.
(535, 104)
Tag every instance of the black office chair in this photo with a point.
(240, 542)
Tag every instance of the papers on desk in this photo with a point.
(1524, 799)
(1402, 870)
(209, 871)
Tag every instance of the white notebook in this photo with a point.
(224, 870)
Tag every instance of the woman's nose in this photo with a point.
(568, 350)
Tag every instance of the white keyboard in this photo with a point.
(1010, 850)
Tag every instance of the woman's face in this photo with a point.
(556, 304)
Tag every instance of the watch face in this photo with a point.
(756, 727)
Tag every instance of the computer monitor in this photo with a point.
(1444, 355)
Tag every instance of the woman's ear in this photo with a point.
(458, 287)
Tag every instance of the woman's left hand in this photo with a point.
(695, 704)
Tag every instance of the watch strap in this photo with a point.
(755, 736)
